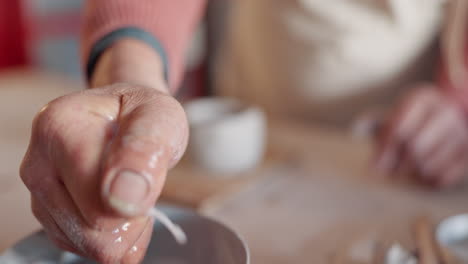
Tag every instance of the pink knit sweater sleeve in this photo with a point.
(170, 22)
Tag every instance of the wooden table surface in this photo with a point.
(321, 198)
(314, 196)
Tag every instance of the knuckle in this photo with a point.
(29, 175)
(26, 176)
(53, 123)
(51, 116)
(45, 122)
(36, 212)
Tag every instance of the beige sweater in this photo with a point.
(327, 59)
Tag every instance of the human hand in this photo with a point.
(97, 161)
(427, 133)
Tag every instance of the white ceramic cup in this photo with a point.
(225, 134)
(452, 234)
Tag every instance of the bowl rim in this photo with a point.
(177, 211)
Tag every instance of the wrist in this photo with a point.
(130, 61)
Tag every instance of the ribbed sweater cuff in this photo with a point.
(128, 32)
(169, 22)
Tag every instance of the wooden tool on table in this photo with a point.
(430, 251)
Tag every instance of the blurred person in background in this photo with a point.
(332, 61)
(305, 59)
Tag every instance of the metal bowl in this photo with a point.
(209, 242)
(452, 233)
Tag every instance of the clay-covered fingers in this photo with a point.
(96, 163)
(53, 231)
(104, 245)
(79, 130)
(402, 124)
(137, 252)
(66, 224)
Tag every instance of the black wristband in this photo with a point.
(127, 32)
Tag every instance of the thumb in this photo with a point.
(151, 136)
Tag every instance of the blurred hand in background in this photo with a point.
(427, 134)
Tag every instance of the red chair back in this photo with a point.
(12, 34)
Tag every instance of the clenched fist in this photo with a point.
(98, 159)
